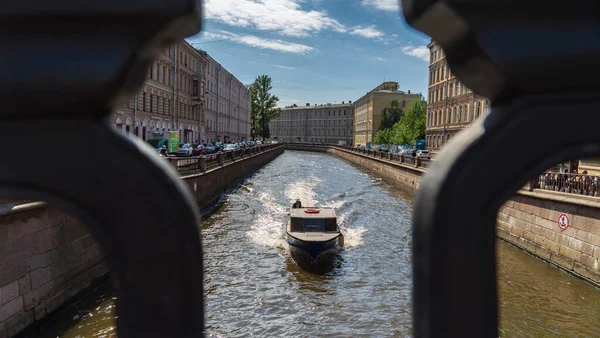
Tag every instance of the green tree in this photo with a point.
(412, 125)
(383, 136)
(263, 106)
(390, 115)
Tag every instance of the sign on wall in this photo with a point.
(563, 222)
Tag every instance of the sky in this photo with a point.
(315, 51)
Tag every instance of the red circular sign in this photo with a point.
(563, 221)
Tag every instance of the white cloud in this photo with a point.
(255, 41)
(367, 32)
(284, 67)
(384, 5)
(283, 16)
(380, 59)
(421, 52)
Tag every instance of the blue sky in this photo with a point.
(317, 51)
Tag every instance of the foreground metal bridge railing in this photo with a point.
(58, 87)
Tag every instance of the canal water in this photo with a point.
(254, 288)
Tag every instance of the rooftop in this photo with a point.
(321, 106)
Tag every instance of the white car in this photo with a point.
(230, 147)
(185, 150)
(423, 154)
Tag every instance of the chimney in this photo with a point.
(308, 104)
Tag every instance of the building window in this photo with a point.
(403, 103)
(157, 71)
(151, 103)
(144, 102)
(164, 75)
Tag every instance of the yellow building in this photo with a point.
(367, 109)
(591, 165)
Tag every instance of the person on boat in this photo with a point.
(297, 204)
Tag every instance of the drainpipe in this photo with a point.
(175, 90)
(445, 112)
(218, 94)
(135, 101)
(229, 114)
(472, 108)
(238, 110)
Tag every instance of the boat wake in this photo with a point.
(303, 190)
(266, 229)
(353, 237)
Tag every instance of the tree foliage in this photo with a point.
(383, 136)
(263, 106)
(390, 115)
(412, 125)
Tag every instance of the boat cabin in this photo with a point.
(307, 220)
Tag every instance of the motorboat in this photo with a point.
(313, 235)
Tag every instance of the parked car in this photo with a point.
(230, 147)
(210, 149)
(199, 150)
(185, 150)
(423, 154)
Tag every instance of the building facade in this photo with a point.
(179, 94)
(368, 109)
(451, 106)
(326, 123)
(227, 105)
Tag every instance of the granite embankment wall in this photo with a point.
(529, 220)
(47, 257)
(209, 186)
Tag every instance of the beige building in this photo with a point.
(326, 123)
(227, 105)
(181, 92)
(368, 109)
(451, 106)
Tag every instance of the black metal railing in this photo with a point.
(199, 164)
(578, 184)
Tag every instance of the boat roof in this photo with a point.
(324, 213)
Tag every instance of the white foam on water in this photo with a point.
(304, 190)
(267, 228)
(353, 237)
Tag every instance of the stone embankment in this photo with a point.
(47, 257)
(529, 220)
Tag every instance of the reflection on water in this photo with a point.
(539, 300)
(254, 288)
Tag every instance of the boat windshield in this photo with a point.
(313, 224)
